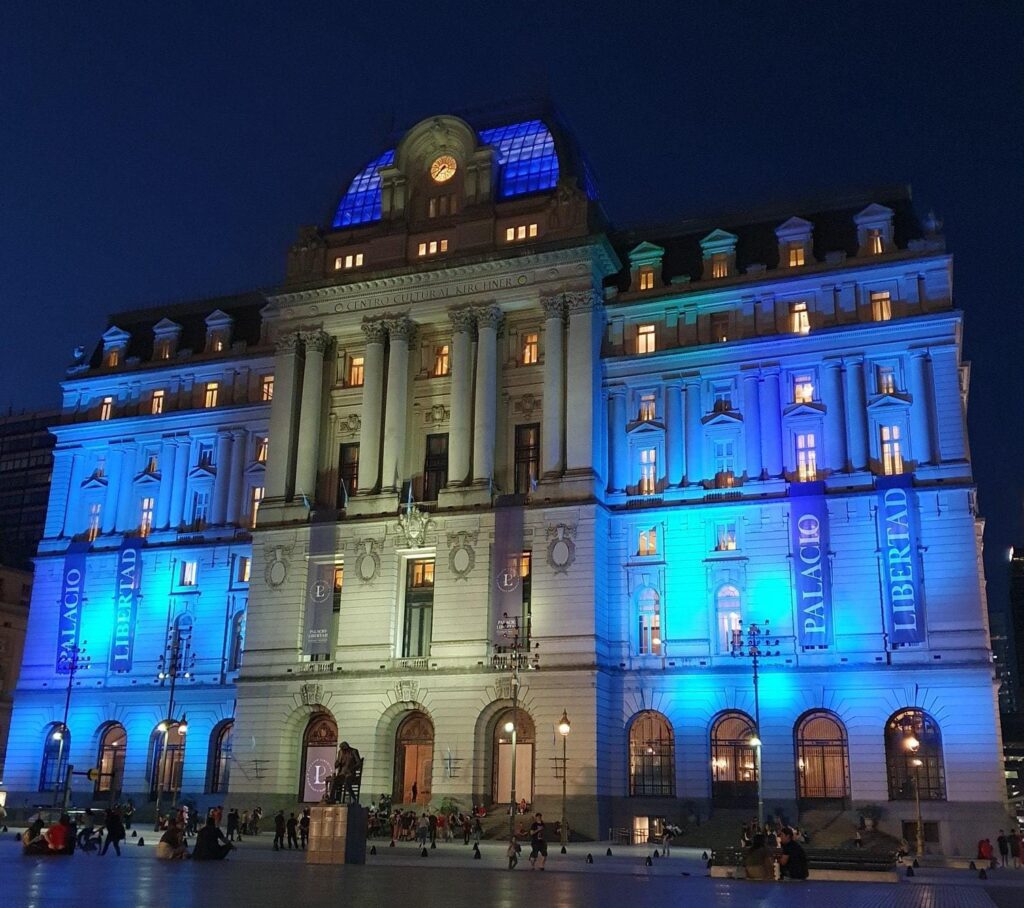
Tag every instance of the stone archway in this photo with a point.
(414, 760)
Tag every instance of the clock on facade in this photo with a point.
(443, 168)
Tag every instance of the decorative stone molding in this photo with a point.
(374, 330)
(436, 415)
(278, 558)
(561, 547)
(553, 306)
(316, 340)
(488, 317)
(311, 694)
(350, 424)
(526, 404)
(402, 329)
(412, 527)
(581, 300)
(462, 320)
(503, 689)
(287, 343)
(461, 553)
(406, 690)
(367, 560)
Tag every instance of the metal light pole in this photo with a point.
(178, 659)
(913, 745)
(757, 646)
(563, 729)
(72, 660)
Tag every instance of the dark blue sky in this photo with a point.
(155, 152)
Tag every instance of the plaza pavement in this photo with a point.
(257, 876)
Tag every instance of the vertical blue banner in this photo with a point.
(126, 602)
(901, 575)
(319, 592)
(813, 573)
(69, 618)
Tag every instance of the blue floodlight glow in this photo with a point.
(527, 161)
(361, 204)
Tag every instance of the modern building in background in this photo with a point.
(15, 592)
(481, 459)
(26, 460)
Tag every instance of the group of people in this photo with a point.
(296, 829)
(760, 860)
(538, 845)
(424, 828)
(1008, 847)
(63, 836)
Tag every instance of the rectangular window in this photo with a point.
(648, 543)
(885, 377)
(647, 408)
(114, 357)
(355, 372)
(722, 397)
(262, 446)
(719, 265)
(520, 232)
(648, 471)
(645, 339)
(152, 462)
(146, 516)
(432, 247)
(881, 305)
(163, 349)
(435, 466)
(875, 241)
(531, 348)
(646, 279)
(527, 457)
(803, 388)
(255, 499)
(156, 406)
(799, 318)
(806, 457)
(339, 583)
(892, 454)
(725, 535)
(442, 205)
(796, 255)
(204, 454)
(348, 472)
(93, 528)
(725, 460)
(199, 513)
(442, 361)
(351, 260)
(650, 626)
(210, 394)
(719, 327)
(267, 388)
(189, 573)
(106, 408)
(243, 569)
(419, 608)
(216, 343)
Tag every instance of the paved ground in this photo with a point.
(449, 877)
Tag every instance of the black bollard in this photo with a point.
(17, 838)
(563, 849)
(135, 833)
(590, 858)
(704, 856)
(373, 849)
(392, 845)
(972, 866)
(910, 871)
(656, 853)
(142, 841)
(648, 862)
(424, 853)
(982, 875)
(915, 863)
(608, 853)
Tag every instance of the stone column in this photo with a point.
(920, 423)
(835, 417)
(108, 515)
(617, 453)
(771, 424)
(582, 353)
(72, 522)
(553, 413)
(856, 415)
(222, 480)
(373, 401)
(401, 331)
(461, 397)
(308, 447)
(675, 441)
(163, 499)
(283, 421)
(127, 518)
(752, 425)
(950, 443)
(694, 433)
(178, 488)
(488, 319)
(237, 480)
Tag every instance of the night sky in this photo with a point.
(160, 152)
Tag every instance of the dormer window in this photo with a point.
(799, 318)
(218, 331)
(874, 230)
(114, 357)
(163, 349)
(432, 247)
(349, 261)
(647, 279)
(442, 361)
(876, 245)
(165, 339)
(796, 255)
(645, 339)
(520, 232)
(719, 265)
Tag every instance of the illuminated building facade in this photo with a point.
(487, 404)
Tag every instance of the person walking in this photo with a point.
(279, 830)
(467, 829)
(304, 828)
(292, 826)
(538, 843)
(1003, 844)
(423, 830)
(512, 853)
(478, 830)
(115, 832)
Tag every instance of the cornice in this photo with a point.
(129, 427)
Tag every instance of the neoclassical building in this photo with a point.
(472, 405)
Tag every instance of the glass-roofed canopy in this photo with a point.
(525, 158)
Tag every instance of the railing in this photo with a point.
(414, 665)
(503, 662)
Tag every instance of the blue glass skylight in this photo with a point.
(526, 157)
(361, 203)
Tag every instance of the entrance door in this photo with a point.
(414, 760)
(524, 772)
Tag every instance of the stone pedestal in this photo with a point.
(337, 834)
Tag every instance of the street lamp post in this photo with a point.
(563, 729)
(73, 660)
(177, 660)
(755, 643)
(913, 745)
(509, 629)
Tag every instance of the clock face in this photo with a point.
(443, 168)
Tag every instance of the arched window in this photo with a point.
(183, 625)
(913, 756)
(110, 759)
(220, 757)
(56, 747)
(168, 759)
(319, 751)
(414, 760)
(652, 756)
(728, 611)
(822, 757)
(236, 641)
(501, 757)
(733, 761)
(648, 604)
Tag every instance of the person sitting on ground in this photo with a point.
(211, 845)
(171, 846)
(58, 839)
(758, 861)
(792, 857)
(33, 834)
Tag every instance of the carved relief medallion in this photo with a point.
(561, 547)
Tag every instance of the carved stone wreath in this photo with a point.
(436, 415)
(367, 560)
(461, 553)
(311, 694)
(561, 547)
(349, 425)
(406, 690)
(527, 404)
(278, 562)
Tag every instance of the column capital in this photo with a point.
(462, 320)
(582, 301)
(488, 317)
(617, 391)
(403, 329)
(553, 306)
(317, 340)
(287, 343)
(374, 330)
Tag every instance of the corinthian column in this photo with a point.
(461, 400)
(309, 415)
(771, 424)
(582, 351)
(675, 439)
(920, 423)
(401, 332)
(752, 425)
(281, 456)
(222, 480)
(835, 420)
(694, 433)
(239, 449)
(373, 401)
(488, 319)
(617, 466)
(856, 415)
(553, 432)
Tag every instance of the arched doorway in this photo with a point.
(110, 760)
(319, 751)
(822, 758)
(652, 756)
(913, 757)
(733, 761)
(414, 760)
(168, 760)
(501, 757)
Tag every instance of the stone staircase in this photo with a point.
(837, 829)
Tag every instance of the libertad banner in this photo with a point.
(900, 572)
(809, 527)
(129, 577)
(72, 591)
(319, 591)
(506, 574)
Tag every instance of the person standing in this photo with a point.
(512, 853)
(538, 843)
(129, 812)
(1003, 844)
(792, 857)
(1015, 843)
(432, 823)
(304, 828)
(233, 825)
(115, 832)
(292, 826)
(279, 830)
